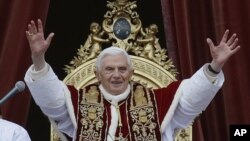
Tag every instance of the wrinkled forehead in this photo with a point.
(117, 60)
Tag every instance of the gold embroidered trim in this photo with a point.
(142, 114)
(92, 113)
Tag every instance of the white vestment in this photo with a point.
(10, 131)
(192, 97)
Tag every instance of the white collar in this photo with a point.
(114, 98)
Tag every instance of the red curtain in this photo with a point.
(187, 25)
(15, 54)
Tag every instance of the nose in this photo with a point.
(116, 73)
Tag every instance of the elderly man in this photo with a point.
(115, 108)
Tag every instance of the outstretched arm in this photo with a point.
(46, 89)
(223, 51)
(197, 92)
(38, 44)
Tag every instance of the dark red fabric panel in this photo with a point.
(15, 54)
(74, 97)
(187, 25)
(164, 98)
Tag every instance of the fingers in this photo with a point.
(50, 37)
(231, 40)
(29, 29)
(28, 35)
(233, 51)
(33, 29)
(210, 42)
(224, 38)
(234, 44)
(40, 25)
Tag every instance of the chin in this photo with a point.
(117, 89)
(117, 92)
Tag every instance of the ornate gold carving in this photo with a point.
(90, 49)
(137, 40)
(95, 40)
(122, 9)
(149, 42)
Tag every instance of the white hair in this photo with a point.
(112, 51)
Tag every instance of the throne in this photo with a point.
(122, 28)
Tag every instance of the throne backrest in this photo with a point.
(122, 28)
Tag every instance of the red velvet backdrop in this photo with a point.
(15, 54)
(187, 25)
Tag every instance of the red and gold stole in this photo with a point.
(141, 113)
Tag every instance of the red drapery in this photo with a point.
(187, 25)
(15, 53)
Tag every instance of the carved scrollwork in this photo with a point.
(122, 27)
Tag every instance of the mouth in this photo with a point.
(116, 83)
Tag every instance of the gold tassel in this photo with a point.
(119, 115)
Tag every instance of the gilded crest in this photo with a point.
(122, 27)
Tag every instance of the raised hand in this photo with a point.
(223, 51)
(38, 44)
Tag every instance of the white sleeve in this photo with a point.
(196, 94)
(10, 131)
(48, 92)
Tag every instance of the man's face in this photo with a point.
(114, 74)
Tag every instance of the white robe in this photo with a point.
(192, 97)
(10, 131)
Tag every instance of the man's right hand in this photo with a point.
(38, 44)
